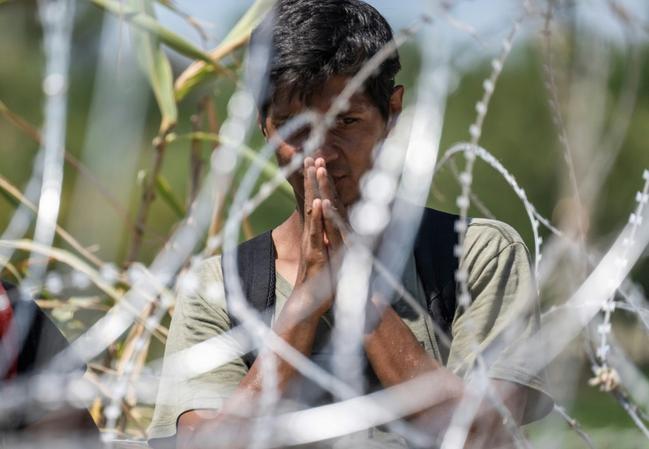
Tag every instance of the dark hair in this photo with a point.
(312, 40)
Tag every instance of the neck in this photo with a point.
(288, 236)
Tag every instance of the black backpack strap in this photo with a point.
(256, 263)
(436, 266)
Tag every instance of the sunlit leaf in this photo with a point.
(191, 20)
(66, 257)
(11, 268)
(12, 200)
(237, 37)
(157, 67)
(151, 55)
(150, 24)
(15, 196)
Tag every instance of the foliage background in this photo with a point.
(518, 131)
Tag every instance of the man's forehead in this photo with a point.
(290, 102)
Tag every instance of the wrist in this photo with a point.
(304, 306)
(374, 310)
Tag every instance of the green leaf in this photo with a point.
(249, 20)
(157, 67)
(148, 37)
(190, 20)
(237, 37)
(167, 194)
(12, 200)
(148, 23)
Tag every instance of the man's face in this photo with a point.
(347, 146)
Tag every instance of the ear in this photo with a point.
(396, 105)
(261, 124)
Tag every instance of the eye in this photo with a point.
(348, 120)
(299, 136)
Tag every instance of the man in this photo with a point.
(316, 47)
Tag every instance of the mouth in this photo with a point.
(339, 182)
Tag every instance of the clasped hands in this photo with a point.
(323, 234)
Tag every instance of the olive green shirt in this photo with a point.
(502, 289)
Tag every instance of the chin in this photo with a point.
(347, 191)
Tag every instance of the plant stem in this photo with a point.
(148, 195)
(195, 158)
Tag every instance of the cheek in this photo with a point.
(360, 151)
(285, 153)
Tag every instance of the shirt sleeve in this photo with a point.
(199, 327)
(504, 311)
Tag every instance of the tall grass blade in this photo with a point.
(168, 196)
(148, 23)
(236, 38)
(14, 195)
(157, 67)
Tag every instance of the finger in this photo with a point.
(308, 185)
(332, 224)
(313, 181)
(324, 185)
(315, 225)
(328, 190)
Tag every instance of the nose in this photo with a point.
(327, 150)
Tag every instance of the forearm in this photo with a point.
(296, 325)
(396, 356)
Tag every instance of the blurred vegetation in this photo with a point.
(518, 131)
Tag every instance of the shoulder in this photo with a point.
(201, 287)
(491, 245)
(490, 233)
(486, 238)
(209, 269)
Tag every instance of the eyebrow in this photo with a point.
(281, 118)
(361, 104)
(352, 109)
(358, 106)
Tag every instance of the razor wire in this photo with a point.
(149, 286)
